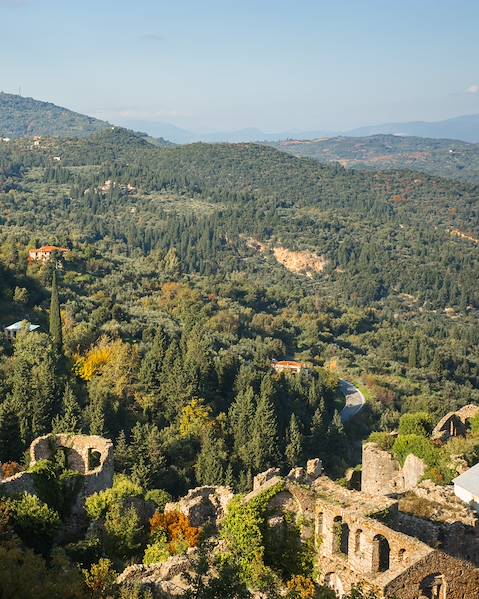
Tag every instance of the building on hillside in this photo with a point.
(12, 330)
(45, 253)
(287, 366)
(466, 487)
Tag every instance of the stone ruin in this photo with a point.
(382, 474)
(455, 424)
(358, 539)
(90, 455)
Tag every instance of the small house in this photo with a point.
(12, 330)
(45, 253)
(466, 487)
(287, 366)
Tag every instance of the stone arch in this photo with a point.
(334, 582)
(340, 536)
(433, 586)
(358, 536)
(93, 459)
(381, 554)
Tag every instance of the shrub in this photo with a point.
(157, 552)
(417, 423)
(418, 445)
(384, 440)
(101, 579)
(178, 530)
(159, 497)
(98, 504)
(35, 522)
(300, 587)
(10, 468)
(124, 531)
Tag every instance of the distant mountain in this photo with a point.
(183, 136)
(465, 128)
(26, 117)
(444, 157)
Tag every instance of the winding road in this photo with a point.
(355, 400)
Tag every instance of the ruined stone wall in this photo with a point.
(454, 424)
(382, 474)
(90, 455)
(460, 579)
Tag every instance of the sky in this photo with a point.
(277, 65)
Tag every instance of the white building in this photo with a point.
(12, 330)
(466, 487)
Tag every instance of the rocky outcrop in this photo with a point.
(203, 505)
(169, 579)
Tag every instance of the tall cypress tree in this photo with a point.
(70, 420)
(265, 435)
(294, 449)
(55, 317)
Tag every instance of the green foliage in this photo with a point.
(157, 552)
(98, 504)
(35, 522)
(383, 439)
(243, 530)
(417, 423)
(159, 497)
(124, 531)
(56, 486)
(55, 317)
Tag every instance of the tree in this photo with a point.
(70, 420)
(294, 448)
(210, 465)
(265, 435)
(55, 317)
(413, 352)
(242, 414)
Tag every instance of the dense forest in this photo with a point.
(159, 327)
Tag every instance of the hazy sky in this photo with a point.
(228, 64)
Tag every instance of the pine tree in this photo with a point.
(55, 317)
(70, 420)
(151, 364)
(210, 465)
(265, 435)
(242, 414)
(122, 454)
(294, 448)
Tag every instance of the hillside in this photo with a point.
(442, 157)
(26, 117)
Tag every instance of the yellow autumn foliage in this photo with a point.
(195, 419)
(113, 360)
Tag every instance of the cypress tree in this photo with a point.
(242, 414)
(265, 435)
(294, 448)
(70, 421)
(210, 465)
(413, 352)
(55, 317)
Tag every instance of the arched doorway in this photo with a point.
(434, 587)
(381, 554)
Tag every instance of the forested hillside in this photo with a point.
(175, 299)
(443, 157)
(26, 117)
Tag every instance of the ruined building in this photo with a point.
(90, 455)
(364, 540)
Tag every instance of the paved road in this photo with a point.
(354, 400)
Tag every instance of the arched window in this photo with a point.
(381, 554)
(357, 540)
(94, 459)
(434, 587)
(340, 536)
(402, 555)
